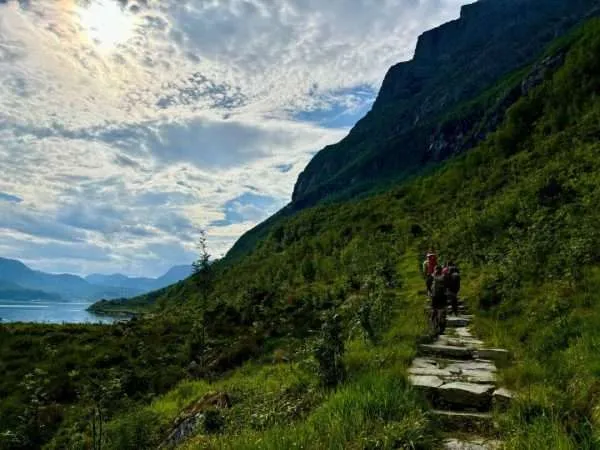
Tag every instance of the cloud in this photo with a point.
(10, 198)
(119, 143)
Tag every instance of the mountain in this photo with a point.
(141, 284)
(64, 285)
(453, 63)
(455, 91)
(12, 291)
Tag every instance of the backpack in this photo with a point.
(454, 281)
(438, 288)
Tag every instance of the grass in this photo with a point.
(282, 405)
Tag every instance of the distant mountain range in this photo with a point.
(175, 274)
(19, 282)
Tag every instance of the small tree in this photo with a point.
(35, 385)
(203, 269)
(376, 309)
(203, 274)
(99, 395)
(329, 352)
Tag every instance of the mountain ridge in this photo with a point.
(66, 286)
(452, 63)
(143, 284)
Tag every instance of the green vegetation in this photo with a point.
(519, 213)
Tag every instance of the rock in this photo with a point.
(462, 332)
(446, 351)
(462, 366)
(469, 422)
(476, 444)
(459, 341)
(426, 384)
(478, 376)
(501, 398)
(433, 372)
(457, 321)
(190, 420)
(469, 395)
(426, 363)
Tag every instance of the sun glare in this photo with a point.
(106, 23)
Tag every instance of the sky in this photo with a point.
(126, 127)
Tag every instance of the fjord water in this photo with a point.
(47, 311)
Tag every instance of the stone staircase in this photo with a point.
(458, 376)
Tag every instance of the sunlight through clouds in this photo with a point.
(153, 117)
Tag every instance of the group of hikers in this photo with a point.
(443, 285)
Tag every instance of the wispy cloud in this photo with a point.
(117, 143)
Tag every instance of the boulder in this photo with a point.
(191, 419)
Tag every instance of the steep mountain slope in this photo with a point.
(440, 104)
(65, 285)
(142, 284)
(452, 64)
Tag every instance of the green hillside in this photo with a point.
(12, 291)
(519, 214)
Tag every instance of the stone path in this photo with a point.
(457, 374)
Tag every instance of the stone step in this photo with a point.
(455, 395)
(447, 376)
(457, 341)
(463, 396)
(466, 422)
(472, 444)
(446, 351)
(460, 321)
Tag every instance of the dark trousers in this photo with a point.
(453, 300)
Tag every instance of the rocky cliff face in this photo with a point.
(407, 127)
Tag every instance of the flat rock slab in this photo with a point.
(470, 395)
(425, 382)
(425, 363)
(478, 376)
(457, 341)
(463, 332)
(466, 422)
(476, 444)
(430, 371)
(457, 321)
(447, 351)
(461, 366)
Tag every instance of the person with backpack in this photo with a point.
(429, 266)
(439, 302)
(453, 285)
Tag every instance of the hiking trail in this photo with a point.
(458, 376)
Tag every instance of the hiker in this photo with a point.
(438, 301)
(453, 286)
(428, 268)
